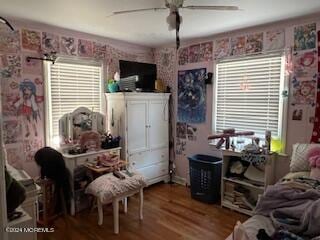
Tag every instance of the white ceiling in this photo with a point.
(150, 28)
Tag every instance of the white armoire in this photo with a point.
(142, 121)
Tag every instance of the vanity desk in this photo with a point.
(79, 178)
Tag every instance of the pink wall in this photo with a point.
(297, 131)
(21, 144)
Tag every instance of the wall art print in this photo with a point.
(9, 95)
(304, 93)
(27, 107)
(68, 46)
(31, 40)
(15, 155)
(315, 138)
(306, 64)
(12, 131)
(85, 48)
(180, 146)
(274, 40)
(32, 66)
(99, 50)
(305, 37)
(191, 132)
(181, 130)
(50, 42)
(9, 40)
(192, 96)
(194, 53)
(238, 46)
(183, 56)
(254, 43)
(206, 51)
(30, 147)
(10, 66)
(222, 48)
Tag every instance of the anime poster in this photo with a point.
(15, 155)
(274, 40)
(10, 66)
(50, 42)
(254, 43)
(194, 53)
(180, 146)
(99, 50)
(191, 132)
(12, 131)
(222, 48)
(9, 40)
(28, 106)
(9, 96)
(32, 66)
(192, 96)
(305, 37)
(31, 40)
(181, 131)
(206, 52)
(85, 48)
(305, 64)
(68, 46)
(304, 93)
(30, 147)
(183, 56)
(238, 46)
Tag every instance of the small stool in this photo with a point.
(110, 189)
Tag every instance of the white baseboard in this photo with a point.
(179, 180)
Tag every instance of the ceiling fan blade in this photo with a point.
(138, 10)
(223, 8)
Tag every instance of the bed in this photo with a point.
(299, 169)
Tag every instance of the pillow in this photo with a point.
(315, 173)
(299, 160)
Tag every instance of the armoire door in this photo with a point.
(158, 124)
(137, 126)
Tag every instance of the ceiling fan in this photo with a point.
(174, 19)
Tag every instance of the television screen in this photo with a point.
(146, 72)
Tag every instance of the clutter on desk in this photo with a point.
(109, 141)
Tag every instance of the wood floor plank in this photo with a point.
(169, 213)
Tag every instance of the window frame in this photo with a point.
(48, 98)
(283, 92)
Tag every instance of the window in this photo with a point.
(69, 86)
(248, 95)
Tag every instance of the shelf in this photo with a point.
(236, 208)
(244, 183)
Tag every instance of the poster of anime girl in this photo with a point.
(12, 131)
(206, 51)
(183, 56)
(10, 66)
(68, 46)
(305, 37)
(85, 48)
(9, 40)
(50, 42)
(305, 64)
(99, 50)
(15, 155)
(28, 107)
(222, 48)
(31, 40)
(192, 96)
(304, 93)
(274, 40)
(238, 46)
(30, 147)
(254, 43)
(194, 53)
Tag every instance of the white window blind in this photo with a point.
(71, 86)
(248, 95)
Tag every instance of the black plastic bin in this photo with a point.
(205, 177)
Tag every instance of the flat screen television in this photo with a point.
(146, 72)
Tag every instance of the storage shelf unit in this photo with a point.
(254, 190)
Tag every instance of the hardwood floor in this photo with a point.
(169, 213)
